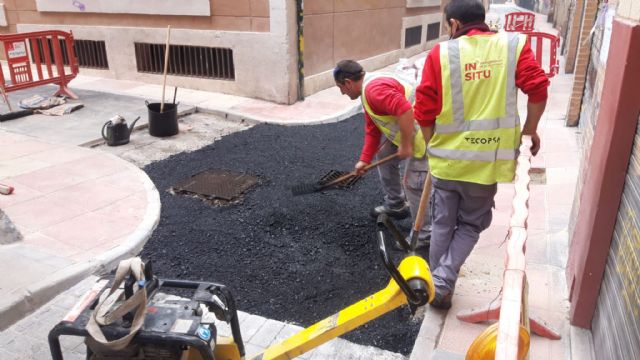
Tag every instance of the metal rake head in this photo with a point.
(308, 188)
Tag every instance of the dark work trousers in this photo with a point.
(399, 189)
(460, 210)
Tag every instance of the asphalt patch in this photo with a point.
(297, 259)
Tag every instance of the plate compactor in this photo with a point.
(134, 315)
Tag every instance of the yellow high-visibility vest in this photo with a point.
(388, 124)
(477, 133)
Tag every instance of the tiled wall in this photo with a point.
(575, 12)
(229, 15)
(582, 60)
(588, 112)
(629, 9)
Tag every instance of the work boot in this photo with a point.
(442, 302)
(399, 213)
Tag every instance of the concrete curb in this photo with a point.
(244, 118)
(428, 335)
(253, 120)
(18, 306)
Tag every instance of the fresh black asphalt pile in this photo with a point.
(297, 259)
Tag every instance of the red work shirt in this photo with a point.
(530, 78)
(385, 96)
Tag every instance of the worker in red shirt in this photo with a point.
(389, 128)
(466, 106)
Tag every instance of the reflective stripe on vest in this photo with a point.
(510, 119)
(388, 124)
(500, 154)
(487, 130)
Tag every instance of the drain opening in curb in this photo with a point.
(538, 176)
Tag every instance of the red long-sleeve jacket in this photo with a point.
(530, 78)
(385, 96)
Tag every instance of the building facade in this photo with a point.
(602, 48)
(277, 50)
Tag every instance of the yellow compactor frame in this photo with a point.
(412, 267)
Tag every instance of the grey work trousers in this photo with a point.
(397, 190)
(461, 210)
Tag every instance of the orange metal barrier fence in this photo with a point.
(50, 53)
(536, 41)
(519, 21)
(509, 338)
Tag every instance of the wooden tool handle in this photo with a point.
(424, 199)
(353, 173)
(381, 161)
(166, 67)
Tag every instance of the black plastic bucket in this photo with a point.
(164, 123)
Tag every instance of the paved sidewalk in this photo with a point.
(78, 210)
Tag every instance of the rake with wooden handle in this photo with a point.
(422, 208)
(309, 188)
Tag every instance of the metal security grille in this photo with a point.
(195, 61)
(538, 176)
(412, 36)
(433, 31)
(616, 321)
(91, 54)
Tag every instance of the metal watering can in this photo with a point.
(117, 131)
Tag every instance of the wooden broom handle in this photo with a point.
(166, 67)
(424, 199)
(353, 173)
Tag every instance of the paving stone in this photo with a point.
(558, 248)
(330, 350)
(6, 355)
(439, 354)
(64, 302)
(72, 343)
(286, 332)
(249, 325)
(223, 329)
(252, 349)
(6, 337)
(75, 356)
(267, 333)
(20, 345)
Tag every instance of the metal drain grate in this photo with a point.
(90, 54)
(184, 60)
(538, 176)
(217, 184)
(334, 174)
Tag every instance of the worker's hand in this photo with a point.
(405, 151)
(359, 169)
(535, 139)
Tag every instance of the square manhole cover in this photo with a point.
(223, 186)
(538, 176)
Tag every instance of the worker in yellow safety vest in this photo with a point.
(466, 106)
(389, 128)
